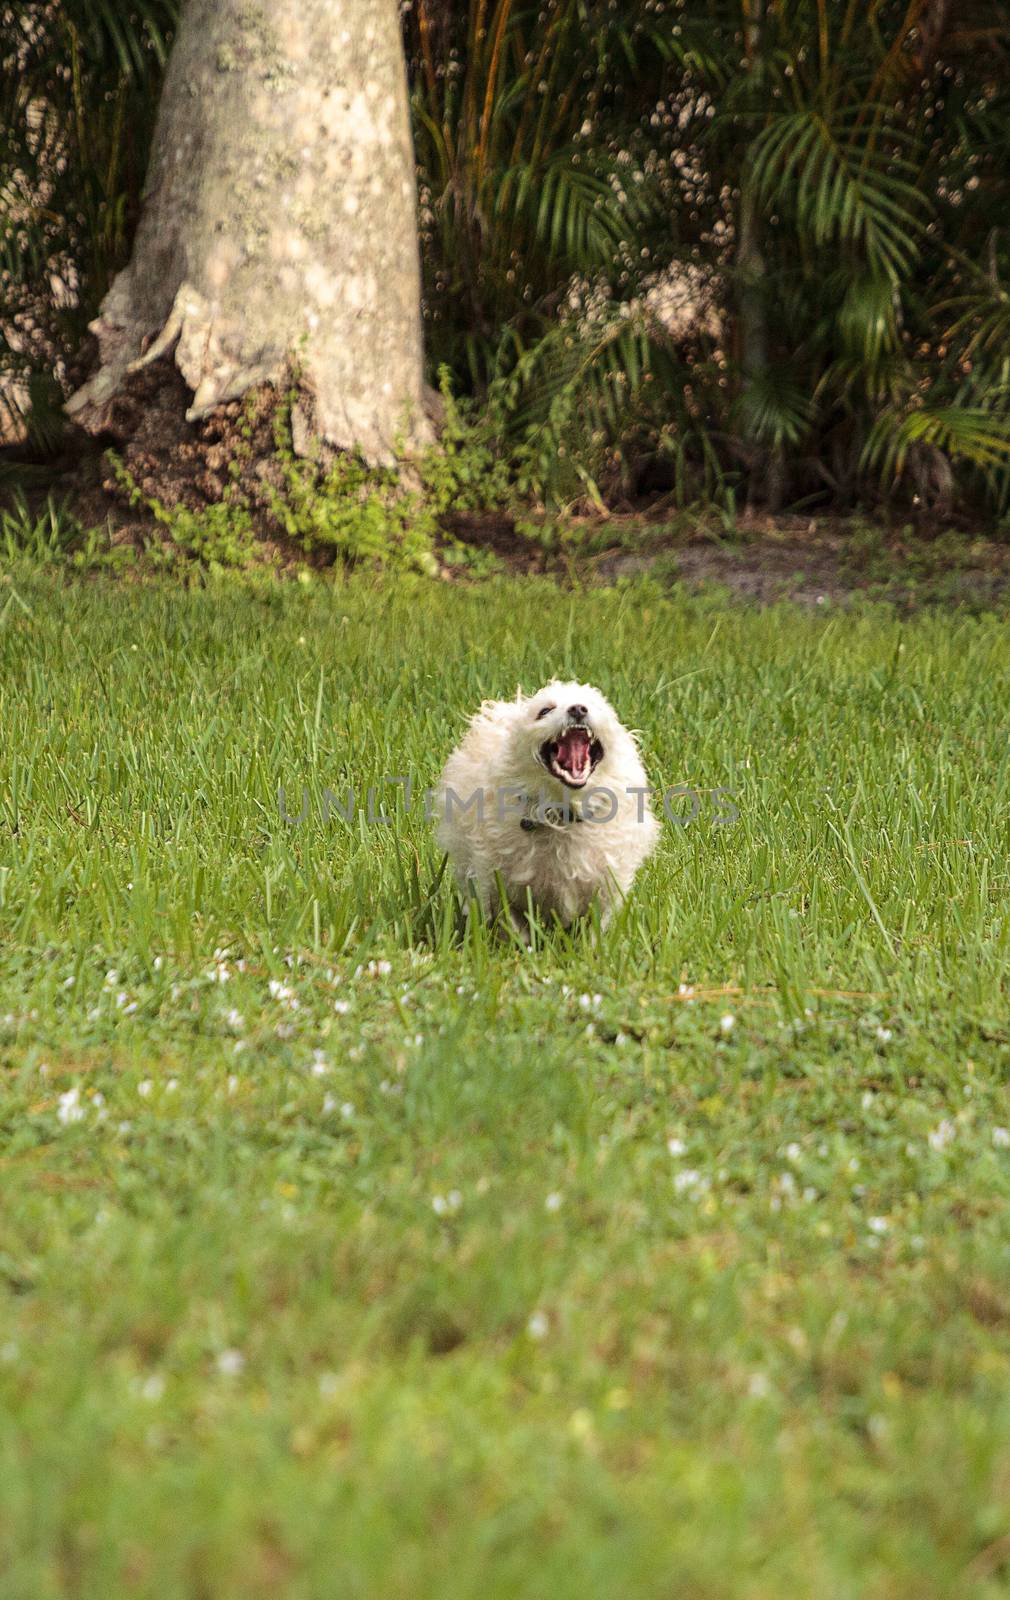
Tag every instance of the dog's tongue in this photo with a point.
(573, 749)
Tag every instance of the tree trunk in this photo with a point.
(279, 226)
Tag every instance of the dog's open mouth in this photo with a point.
(572, 756)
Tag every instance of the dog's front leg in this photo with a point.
(610, 898)
(495, 908)
(514, 920)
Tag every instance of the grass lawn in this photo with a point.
(339, 1258)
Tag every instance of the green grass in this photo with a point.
(341, 1258)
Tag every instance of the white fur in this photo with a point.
(562, 866)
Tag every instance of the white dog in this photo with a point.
(517, 813)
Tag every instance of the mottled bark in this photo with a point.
(279, 224)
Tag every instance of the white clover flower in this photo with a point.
(230, 1363)
(877, 1225)
(885, 1035)
(232, 1083)
(676, 1146)
(439, 1205)
(380, 969)
(1001, 1138)
(689, 1181)
(552, 1202)
(69, 1108)
(727, 1023)
(793, 1151)
(341, 1007)
(538, 1326)
(153, 1387)
(942, 1135)
(144, 1088)
(234, 1020)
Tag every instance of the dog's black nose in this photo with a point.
(578, 713)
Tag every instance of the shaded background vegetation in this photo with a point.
(752, 249)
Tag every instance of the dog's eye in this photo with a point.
(545, 711)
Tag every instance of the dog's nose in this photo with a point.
(578, 713)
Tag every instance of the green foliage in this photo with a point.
(466, 470)
(44, 535)
(351, 511)
(871, 153)
(522, 186)
(346, 509)
(870, 149)
(847, 181)
(219, 536)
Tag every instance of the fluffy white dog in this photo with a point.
(520, 819)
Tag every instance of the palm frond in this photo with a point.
(849, 180)
(774, 410)
(962, 433)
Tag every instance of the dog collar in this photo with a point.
(548, 817)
